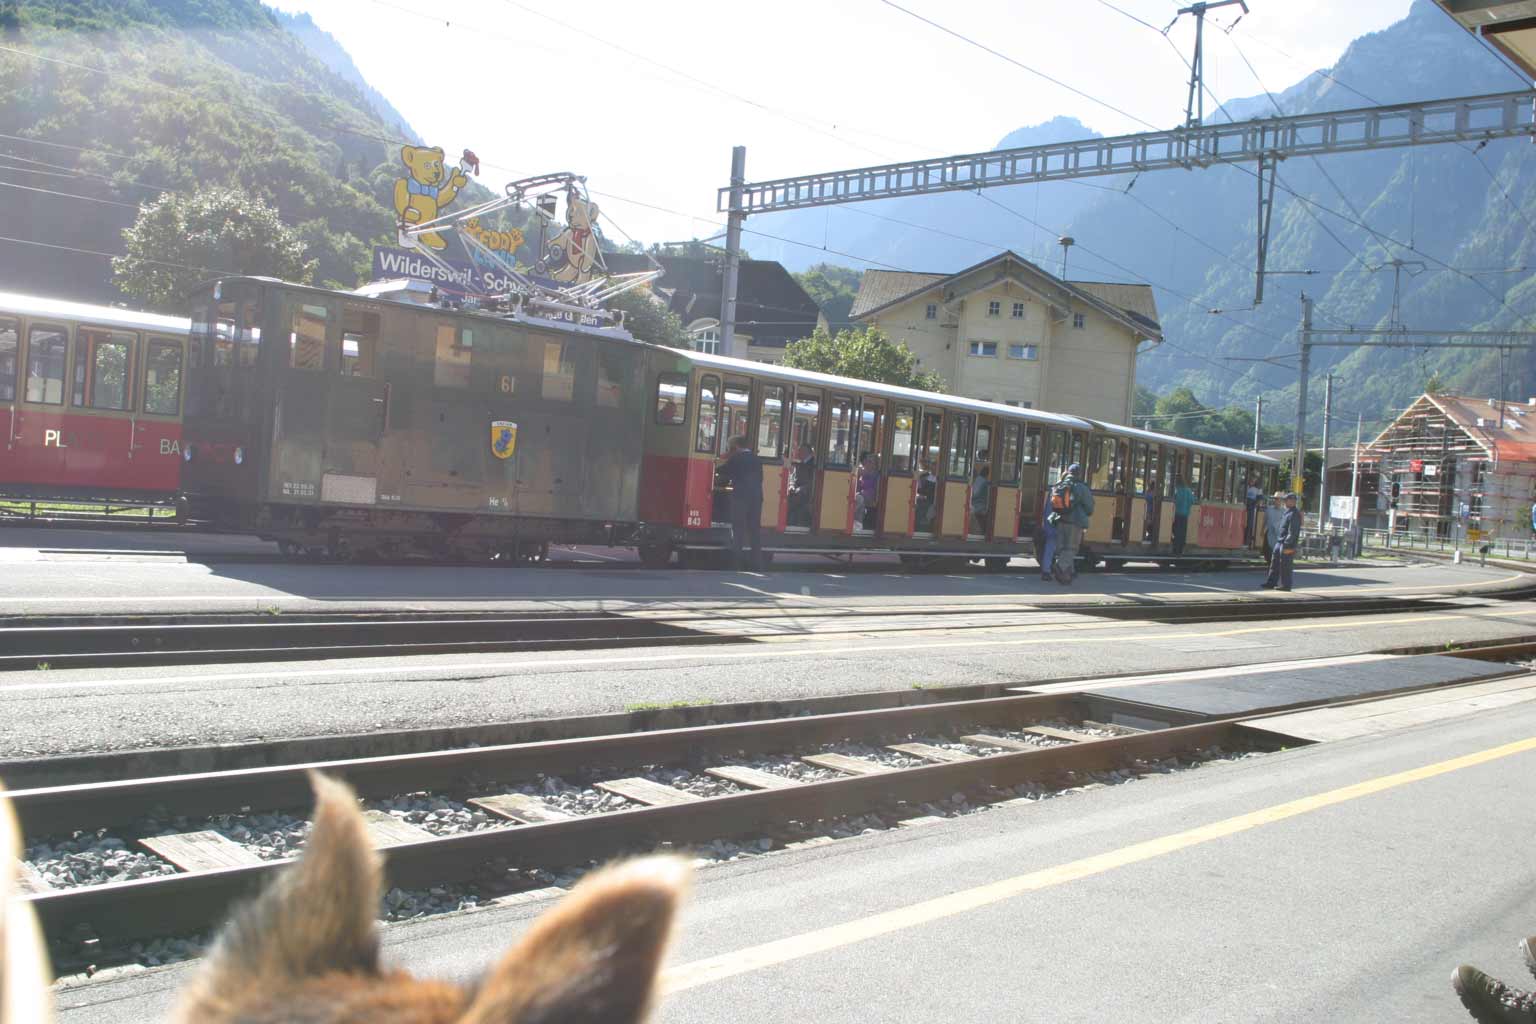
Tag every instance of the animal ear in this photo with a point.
(408, 154)
(595, 957)
(25, 997)
(436, 151)
(316, 918)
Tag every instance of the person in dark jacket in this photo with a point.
(1283, 558)
(745, 472)
(1071, 522)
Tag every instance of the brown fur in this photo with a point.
(307, 950)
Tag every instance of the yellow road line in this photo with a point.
(795, 947)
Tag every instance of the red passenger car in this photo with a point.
(91, 397)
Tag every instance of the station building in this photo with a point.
(1006, 330)
(1458, 463)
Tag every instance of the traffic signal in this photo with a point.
(1396, 489)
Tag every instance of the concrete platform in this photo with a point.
(86, 572)
(1324, 724)
(1219, 693)
(1341, 882)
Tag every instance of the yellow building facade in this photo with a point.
(1006, 330)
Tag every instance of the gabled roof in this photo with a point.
(1129, 304)
(770, 304)
(1509, 25)
(881, 288)
(1513, 442)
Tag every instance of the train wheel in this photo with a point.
(996, 564)
(655, 556)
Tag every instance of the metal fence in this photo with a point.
(1498, 547)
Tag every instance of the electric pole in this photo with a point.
(733, 222)
(1194, 111)
(1298, 471)
(1322, 487)
(1258, 420)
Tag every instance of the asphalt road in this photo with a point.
(1339, 882)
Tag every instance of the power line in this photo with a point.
(109, 255)
(1018, 64)
(69, 195)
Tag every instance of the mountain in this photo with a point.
(107, 103)
(1192, 235)
(331, 53)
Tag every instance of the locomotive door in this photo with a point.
(356, 413)
(1032, 483)
(897, 490)
(870, 452)
(930, 459)
(805, 436)
(769, 447)
(955, 481)
(834, 506)
(1152, 492)
(1003, 510)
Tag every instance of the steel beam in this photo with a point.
(1465, 119)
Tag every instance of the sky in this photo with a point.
(647, 99)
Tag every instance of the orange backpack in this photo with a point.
(1061, 497)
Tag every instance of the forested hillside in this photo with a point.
(1338, 219)
(106, 103)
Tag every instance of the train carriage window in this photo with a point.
(1218, 481)
(1233, 487)
(1077, 448)
(1170, 469)
(933, 440)
(983, 444)
(248, 344)
(47, 348)
(9, 344)
(959, 448)
(102, 369)
(1139, 467)
(807, 421)
(559, 370)
(453, 352)
(1102, 468)
(1194, 472)
(840, 436)
(1122, 465)
(162, 377)
(224, 330)
(1007, 469)
(1060, 444)
(871, 429)
(671, 399)
(1031, 453)
(707, 439)
(770, 421)
(359, 343)
(306, 338)
(738, 397)
(610, 378)
(903, 434)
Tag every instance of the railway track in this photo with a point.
(101, 641)
(777, 782)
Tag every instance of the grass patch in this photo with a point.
(667, 705)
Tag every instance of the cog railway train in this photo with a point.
(349, 426)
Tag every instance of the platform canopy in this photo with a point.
(1509, 25)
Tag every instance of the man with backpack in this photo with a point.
(1071, 512)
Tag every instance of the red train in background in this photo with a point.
(91, 398)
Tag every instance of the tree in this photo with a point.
(866, 354)
(1434, 386)
(180, 241)
(648, 320)
(834, 289)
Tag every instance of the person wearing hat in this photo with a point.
(1274, 514)
(1071, 512)
(1283, 559)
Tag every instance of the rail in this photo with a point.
(1522, 549)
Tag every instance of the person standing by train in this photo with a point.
(745, 472)
(1048, 539)
(1072, 511)
(1184, 502)
(1283, 560)
(1274, 515)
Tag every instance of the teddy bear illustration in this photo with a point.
(572, 253)
(427, 187)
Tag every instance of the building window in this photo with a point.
(706, 336)
(984, 348)
(1079, 321)
(1030, 352)
(1018, 311)
(994, 308)
(931, 312)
